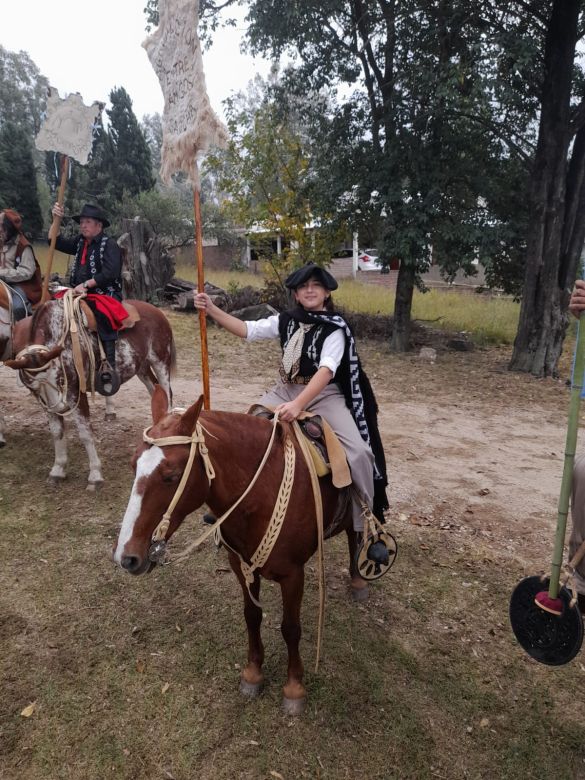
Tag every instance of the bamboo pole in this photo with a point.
(60, 198)
(201, 288)
(570, 449)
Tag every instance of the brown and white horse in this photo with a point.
(224, 462)
(5, 347)
(146, 350)
(12, 338)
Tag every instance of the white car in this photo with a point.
(368, 260)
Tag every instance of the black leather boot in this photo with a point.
(378, 553)
(108, 379)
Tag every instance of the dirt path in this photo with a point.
(466, 441)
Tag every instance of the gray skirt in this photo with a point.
(330, 404)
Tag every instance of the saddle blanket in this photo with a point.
(110, 307)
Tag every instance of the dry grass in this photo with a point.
(487, 319)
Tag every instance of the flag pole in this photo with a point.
(60, 198)
(201, 288)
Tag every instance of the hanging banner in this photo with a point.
(68, 126)
(190, 126)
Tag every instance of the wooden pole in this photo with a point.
(60, 198)
(200, 288)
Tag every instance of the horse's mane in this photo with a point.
(36, 315)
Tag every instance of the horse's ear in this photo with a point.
(21, 335)
(190, 417)
(159, 404)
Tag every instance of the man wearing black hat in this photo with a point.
(97, 270)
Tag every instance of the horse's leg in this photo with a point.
(161, 368)
(359, 587)
(57, 427)
(292, 587)
(81, 418)
(146, 380)
(110, 409)
(252, 677)
(2, 429)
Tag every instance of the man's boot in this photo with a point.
(108, 380)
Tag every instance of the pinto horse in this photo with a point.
(5, 344)
(146, 350)
(13, 336)
(218, 471)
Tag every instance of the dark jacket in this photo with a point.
(103, 263)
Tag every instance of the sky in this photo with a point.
(91, 49)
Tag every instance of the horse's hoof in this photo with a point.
(360, 594)
(54, 481)
(2, 443)
(93, 486)
(249, 690)
(110, 416)
(294, 706)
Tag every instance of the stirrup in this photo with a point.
(107, 379)
(376, 555)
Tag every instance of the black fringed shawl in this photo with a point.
(359, 398)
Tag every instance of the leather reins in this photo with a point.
(74, 327)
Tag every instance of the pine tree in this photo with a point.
(18, 183)
(131, 164)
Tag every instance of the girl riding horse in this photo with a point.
(321, 373)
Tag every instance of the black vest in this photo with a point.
(312, 343)
(94, 261)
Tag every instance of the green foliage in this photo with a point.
(171, 219)
(18, 183)
(264, 178)
(120, 167)
(23, 90)
(130, 164)
(151, 126)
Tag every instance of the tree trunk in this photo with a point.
(147, 267)
(542, 324)
(400, 340)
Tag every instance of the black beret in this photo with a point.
(308, 271)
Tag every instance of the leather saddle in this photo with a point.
(129, 322)
(326, 450)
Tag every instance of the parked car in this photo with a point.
(368, 260)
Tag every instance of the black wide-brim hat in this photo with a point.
(308, 271)
(92, 212)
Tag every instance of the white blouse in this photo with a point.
(333, 346)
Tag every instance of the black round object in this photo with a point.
(549, 639)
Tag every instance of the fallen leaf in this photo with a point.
(253, 742)
(276, 774)
(178, 627)
(165, 687)
(140, 666)
(484, 722)
(28, 711)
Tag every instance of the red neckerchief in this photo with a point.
(84, 253)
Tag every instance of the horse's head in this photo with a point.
(41, 373)
(158, 503)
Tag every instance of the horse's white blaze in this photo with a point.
(146, 464)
